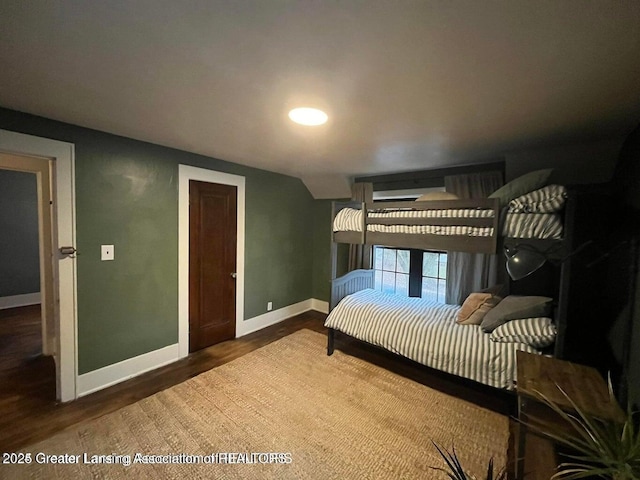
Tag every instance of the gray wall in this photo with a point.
(19, 255)
(573, 163)
(634, 357)
(627, 183)
(127, 195)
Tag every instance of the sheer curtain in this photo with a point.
(360, 255)
(470, 272)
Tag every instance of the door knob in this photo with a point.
(234, 275)
(70, 251)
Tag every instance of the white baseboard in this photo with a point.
(119, 372)
(276, 316)
(319, 305)
(19, 300)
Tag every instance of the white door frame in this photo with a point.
(186, 173)
(64, 234)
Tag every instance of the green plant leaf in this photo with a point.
(605, 448)
(457, 472)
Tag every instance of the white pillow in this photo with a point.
(427, 197)
(538, 332)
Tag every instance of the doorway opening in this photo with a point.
(26, 279)
(52, 161)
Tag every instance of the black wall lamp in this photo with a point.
(524, 259)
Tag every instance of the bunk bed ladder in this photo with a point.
(565, 277)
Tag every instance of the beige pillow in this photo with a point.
(475, 307)
(437, 196)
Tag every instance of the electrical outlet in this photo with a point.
(107, 252)
(269, 306)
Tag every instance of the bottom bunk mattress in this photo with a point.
(426, 332)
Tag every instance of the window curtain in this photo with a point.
(360, 255)
(470, 272)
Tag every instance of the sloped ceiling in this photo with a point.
(407, 85)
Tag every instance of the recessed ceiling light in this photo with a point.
(308, 116)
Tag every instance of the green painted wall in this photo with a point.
(321, 250)
(127, 195)
(19, 256)
(278, 242)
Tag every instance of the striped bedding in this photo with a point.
(533, 225)
(426, 331)
(515, 225)
(547, 199)
(350, 220)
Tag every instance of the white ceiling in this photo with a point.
(407, 85)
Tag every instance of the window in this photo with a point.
(413, 273)
(391, 267)
(434, 275)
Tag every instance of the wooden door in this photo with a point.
(212, 263)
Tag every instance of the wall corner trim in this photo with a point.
(319, 306)
(132, 367)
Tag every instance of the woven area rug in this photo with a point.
(283, 411)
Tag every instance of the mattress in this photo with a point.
(350, 220)
(426, 332)
(515, 225)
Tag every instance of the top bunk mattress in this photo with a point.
(350, 220)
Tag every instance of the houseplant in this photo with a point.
(456, 471)
(597, 448)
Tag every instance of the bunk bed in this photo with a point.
(427, 332)
(463, 225)
(456, 225)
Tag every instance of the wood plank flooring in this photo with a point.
(29, 412)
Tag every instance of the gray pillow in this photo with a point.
(498, 290)
(514, 307)
(526, 183)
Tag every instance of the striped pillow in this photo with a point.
(544, 200)
(538, 332)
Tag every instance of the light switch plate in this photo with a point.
(107, 252)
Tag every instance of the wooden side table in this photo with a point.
(541, 374)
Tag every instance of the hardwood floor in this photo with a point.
(29, 412)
